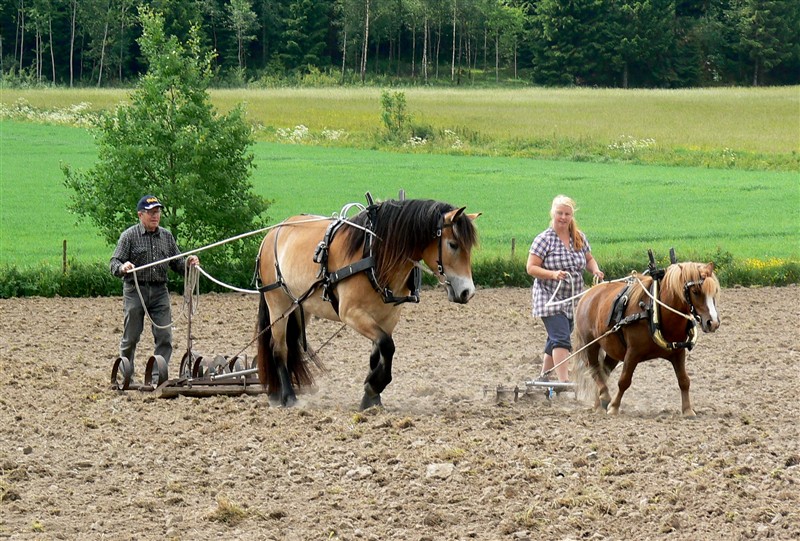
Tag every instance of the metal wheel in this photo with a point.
(121, 374)
(158, 366)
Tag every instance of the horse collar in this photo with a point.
(365, 265)
(655, 325)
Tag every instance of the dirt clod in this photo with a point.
(441, 460)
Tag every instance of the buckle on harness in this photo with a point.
(326, 290)
(321, 253)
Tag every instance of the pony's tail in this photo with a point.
(585, 386)
(267, 373)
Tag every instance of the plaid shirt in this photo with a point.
(141, 247)
(556, 256)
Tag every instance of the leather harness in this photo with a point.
(328, 280)
(650, 312)
(366, 264)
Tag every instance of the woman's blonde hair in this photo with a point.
(574, 232)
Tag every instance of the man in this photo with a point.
(139, 245)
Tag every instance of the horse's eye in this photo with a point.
(453, 245)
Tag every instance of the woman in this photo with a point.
(557, 258)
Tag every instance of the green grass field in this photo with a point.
(757, 120)
(624, 209)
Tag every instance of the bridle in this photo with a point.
(655, 322)
(439, 234)
(687, 296)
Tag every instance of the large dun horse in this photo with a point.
(622, 320)
(359, 271)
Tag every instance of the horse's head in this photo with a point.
(450, 253)
(700, 289)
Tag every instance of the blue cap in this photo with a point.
(148, 202)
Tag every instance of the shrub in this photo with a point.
(95, 280)
(394, 115)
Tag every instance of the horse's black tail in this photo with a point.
(297, 367)
(267, 373)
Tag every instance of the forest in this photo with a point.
(267, 43)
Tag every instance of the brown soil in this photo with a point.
(441, 461)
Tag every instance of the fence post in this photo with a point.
(513, 246)
(64, 257)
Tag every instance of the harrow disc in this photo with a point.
(198, 367)
(204, 367)
(187, 364)
(237, 363)
(219, 366)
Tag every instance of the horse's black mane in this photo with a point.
(402, 230)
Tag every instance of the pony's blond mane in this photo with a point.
(680, 273)
(674, 279)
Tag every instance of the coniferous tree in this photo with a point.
(766, 31)
(572, 44)
(305, 29)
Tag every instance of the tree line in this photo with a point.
(610, 43)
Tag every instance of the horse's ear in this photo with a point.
(453, 215)
(706, 270)
(474, 216)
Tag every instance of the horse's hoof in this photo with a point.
(689, 414)
(613, 411)
(604, 404)
(279, 401)
(370, 402)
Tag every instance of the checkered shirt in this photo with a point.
(141, 247)
(556, 256)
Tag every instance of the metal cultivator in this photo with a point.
(198, 375)
(548, 389)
